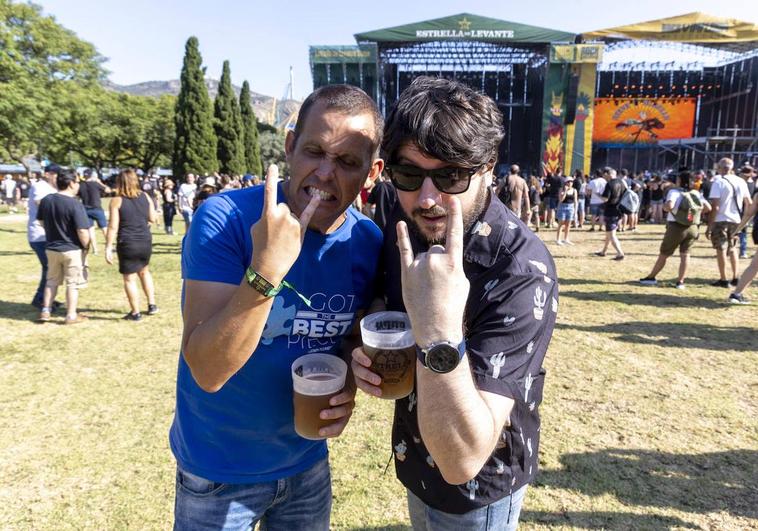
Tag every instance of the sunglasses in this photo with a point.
(447, 180)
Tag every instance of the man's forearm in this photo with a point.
(455, 422)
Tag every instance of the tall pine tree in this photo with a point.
(195, 142)
(252, 147)
(228, 124)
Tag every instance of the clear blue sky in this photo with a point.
(144, 39)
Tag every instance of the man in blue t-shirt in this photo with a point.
(239, 459)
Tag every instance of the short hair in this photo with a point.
(726, 164)
(346, 99)
(610, 171)
(446, 120)
(514, 169)
(63, 180)
(127, 184)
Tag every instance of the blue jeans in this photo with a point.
(39, 250)
(501, 515)
(303, 501)
(187, 215)
(743, 241)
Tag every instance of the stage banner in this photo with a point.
(642, 121)
(579, 134)
(553, 118)
(363, 53)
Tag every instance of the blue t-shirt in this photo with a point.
(244, 433)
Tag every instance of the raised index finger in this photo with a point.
(454, 239)
(270, 192)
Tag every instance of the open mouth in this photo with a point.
(313, 191)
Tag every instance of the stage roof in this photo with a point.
(466, 27)
(693, 28)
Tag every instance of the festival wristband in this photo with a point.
(259, 283)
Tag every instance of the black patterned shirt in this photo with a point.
(509, 319)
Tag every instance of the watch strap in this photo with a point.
(421, 353)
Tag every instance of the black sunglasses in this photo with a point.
(447, 180)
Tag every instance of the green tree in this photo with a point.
(195, 142)
(252, 147)
(40, 63)
(272, 150)
(228, 124)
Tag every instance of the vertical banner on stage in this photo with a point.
(553, 116)
(579, 134)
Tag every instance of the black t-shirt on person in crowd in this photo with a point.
(614, 189)
(91, 193)
(62, 216)
(383, 196)
(509, 320)
(554, 183)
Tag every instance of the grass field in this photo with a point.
(650, 415)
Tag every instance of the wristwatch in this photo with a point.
(260, 284)
(441, 357)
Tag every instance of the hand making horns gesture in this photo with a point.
(435, 288)
(278, 235)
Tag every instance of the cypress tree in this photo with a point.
(195, 142)
(252, 146)
(228, 124)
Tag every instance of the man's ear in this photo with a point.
(289, 143)
(377, 166)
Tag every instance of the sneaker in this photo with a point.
(738, 298)
(559, 242)
(720, 283)
(133, 316)
(568, 242)
(152, 309)
(648, 281)
(592, 229)
(734, 282)
(44, 316)
(743, 255)
(680, 285)
(76, 320)
(599, 253)
(619, 257)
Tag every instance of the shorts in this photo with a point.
(10, 201)
(678, 235)
(724, 235)
(65, 266)
(565, 212)
(612, 222)
(596, 210)
(656, 202)
(133, 256)
(552, 202)
(96, 215)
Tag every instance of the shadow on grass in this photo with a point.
(646, 298)
(699, 483)
(675, 335)
(26, 312)
(604, 520)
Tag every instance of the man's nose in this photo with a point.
(428, 194)
(325, 168)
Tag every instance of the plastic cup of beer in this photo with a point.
(388, 341)
(315, 379)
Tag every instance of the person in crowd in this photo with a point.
(481, 292)
(267, 271)
(595, 190)
(656, 199)
(91, 191)
(748, 174)
(22, 192)
(737, 296)
(186, 197)
(35, 231)
(635, 185)
(535, 191)
(514, 193)
(580, 185)
(568, 203)
(131, 213)
(66, 242)
(169, 206)
(729, 199)
(684, 207)
(612, 193)
(553, 186)
(382, 200)
(9, 193)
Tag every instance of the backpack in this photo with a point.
(629, 202)
(689, 209)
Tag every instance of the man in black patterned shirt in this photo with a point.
(481, 293)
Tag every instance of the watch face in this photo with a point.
(443, 358)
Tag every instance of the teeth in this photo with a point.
(313, 191)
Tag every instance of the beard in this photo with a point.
(469, 217)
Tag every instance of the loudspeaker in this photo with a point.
(573, 92)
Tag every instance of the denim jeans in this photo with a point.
(187, 215)
(39, 250)
(501, 515)
(743, 241)
(303, 501)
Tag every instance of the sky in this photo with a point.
(144, 39)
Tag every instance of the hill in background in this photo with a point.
(262, 105)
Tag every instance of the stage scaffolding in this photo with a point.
(511, 75)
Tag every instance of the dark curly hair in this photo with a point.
(447, 120)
